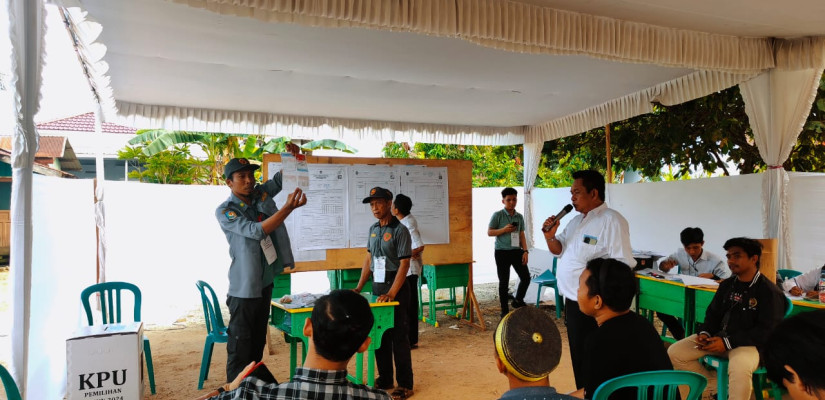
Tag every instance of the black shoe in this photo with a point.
(383, 385)
(518, 303)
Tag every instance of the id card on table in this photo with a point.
(269, 250)
(379, 273)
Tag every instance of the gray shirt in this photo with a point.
(499, 220)
(249, 272)
(391, 241)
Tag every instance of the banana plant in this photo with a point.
(329, 144)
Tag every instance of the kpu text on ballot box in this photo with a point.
(105, 362)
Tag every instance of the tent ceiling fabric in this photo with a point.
(465, 71)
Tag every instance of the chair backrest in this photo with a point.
(12, 393)
(211, 308)
(788, 307)
(110, 300)
(555, 261)
(788, 273)
(662, 384)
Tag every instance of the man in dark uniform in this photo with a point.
(260, 249)
(388, 260)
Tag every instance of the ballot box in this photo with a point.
(105, 362)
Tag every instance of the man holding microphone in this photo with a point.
(597, 232)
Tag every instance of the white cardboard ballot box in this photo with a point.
(105, 362)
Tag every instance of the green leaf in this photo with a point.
(329, 144)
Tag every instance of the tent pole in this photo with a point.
(607, 148)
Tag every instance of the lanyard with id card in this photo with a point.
(379, 273)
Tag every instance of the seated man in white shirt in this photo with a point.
(693, 260)
(806, 284)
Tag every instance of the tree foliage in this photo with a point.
(164, 156)
(702, 135)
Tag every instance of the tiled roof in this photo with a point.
(51, 147)
(83, 123)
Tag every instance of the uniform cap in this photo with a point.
(238, 164)
(378, 193)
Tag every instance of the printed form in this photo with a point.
(362, 178)
(324, 219)
(428, 189)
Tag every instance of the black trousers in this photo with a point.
(395, 343)
(579, 327)
(504, 259)
(672, 323)
(247, 331)
(412, 310)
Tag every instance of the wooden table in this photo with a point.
(291, 322)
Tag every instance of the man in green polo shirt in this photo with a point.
(389, 250)
(507, 226)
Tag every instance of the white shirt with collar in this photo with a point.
(707, 263)
(604, 233)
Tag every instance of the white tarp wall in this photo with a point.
(63, 264)
(164, 237)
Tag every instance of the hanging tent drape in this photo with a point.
(778, 102)
(26, 30)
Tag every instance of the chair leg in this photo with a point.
(538, 296)
(147, 350)
(559, 303)
(206, 360)
(420, 300)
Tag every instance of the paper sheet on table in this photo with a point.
(696, 281)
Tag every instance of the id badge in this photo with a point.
(514, 239)
(379, 271)
(269, 250)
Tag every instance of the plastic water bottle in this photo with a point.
(822, 287)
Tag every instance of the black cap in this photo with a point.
(378, 193)
(238, 164)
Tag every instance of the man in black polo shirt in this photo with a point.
(388, 260)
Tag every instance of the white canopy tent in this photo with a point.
(461, 71)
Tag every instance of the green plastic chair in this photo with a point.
(110, 299)
(759, 378)
(12, 393)
(548, 279)
(215, 328)
(786, 274)
(662, 384)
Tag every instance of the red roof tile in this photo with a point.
(83, 123)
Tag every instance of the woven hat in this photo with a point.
(528, 343)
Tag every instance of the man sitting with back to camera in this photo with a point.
(692, 259)
(528, 349)
(338, 328)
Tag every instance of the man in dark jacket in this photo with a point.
(743, 312)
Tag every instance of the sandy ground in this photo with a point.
(454, 361)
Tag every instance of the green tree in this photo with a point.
(705, 134)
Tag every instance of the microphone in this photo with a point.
(564, 211)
